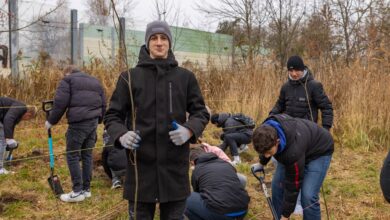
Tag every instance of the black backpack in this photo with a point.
(245, 120)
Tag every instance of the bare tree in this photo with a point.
(351, 14)
(100, 11)
(246, 13)
(286, 16)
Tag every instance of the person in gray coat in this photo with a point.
(82, 97)
(155, 96)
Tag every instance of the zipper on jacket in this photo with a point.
(173, 121)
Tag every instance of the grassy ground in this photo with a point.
(351, 187)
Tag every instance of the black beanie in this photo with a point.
(214, 118)
(295, 63)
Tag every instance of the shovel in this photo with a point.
(53, 180)
(265, 190)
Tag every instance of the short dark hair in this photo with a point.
(264, 138)
(195, 152)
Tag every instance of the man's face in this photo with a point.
(272, 151)
(295, 74)
(158, 46)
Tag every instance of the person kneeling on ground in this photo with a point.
(114, 161)
(303, 151)
(237, 131)
(217, 192)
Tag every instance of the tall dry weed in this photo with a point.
(360, 94)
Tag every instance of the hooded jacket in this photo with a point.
(162, 92)
(11, 112)
(217, 183)
(305, 142)
(293, 100)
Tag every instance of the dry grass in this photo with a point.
(360, 100)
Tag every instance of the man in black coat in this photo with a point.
(303, 151)
(218, 193)
(82, 97)
(301, 96)
(12, 112)
(148, 110)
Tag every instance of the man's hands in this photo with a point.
(11, 143)
(130, 140)
(180, 135)
(257, 167)
(48, 125)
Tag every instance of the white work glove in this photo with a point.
(130, 140)
(48, 125)
(11, 143)
(257, 167)
(180, 135)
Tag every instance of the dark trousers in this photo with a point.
(80, 139)
(197, 210)
(233, 140)
(168, 210)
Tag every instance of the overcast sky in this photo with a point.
(144, 10)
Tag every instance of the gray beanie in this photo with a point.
(157, 27)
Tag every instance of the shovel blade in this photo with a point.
(55, 185)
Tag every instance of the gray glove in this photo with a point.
(180, 135)
(130, 140)
(257, 167)
(48, 125)
(11, 143)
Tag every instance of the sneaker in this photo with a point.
(4, 171)
(242, 148)
(87, 193)
(116, 184)
(73, 197)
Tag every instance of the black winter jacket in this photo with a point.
(163, 166)
(385, 178)
(11, 112)
(82, 96)
(305, 142)
(217, 183)
(230, 125)
(293, 100)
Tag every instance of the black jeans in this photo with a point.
(168, 210)
(80, 139)
(233, 140)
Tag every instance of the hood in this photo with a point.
(206, 157)
(222, 118)
(288, 123)
(144, 59)
(306, 78)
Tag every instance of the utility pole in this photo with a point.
(73, 37)
(13, 37)
(122, 42)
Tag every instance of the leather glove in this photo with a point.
(11, 143)
(130, 140)
(257, 167)
(180, 135)
(48, 125)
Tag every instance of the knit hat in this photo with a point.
(157, 27)
(295, 63)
